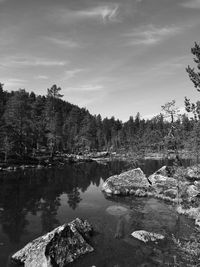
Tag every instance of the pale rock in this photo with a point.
(59, 247)
(145, 236)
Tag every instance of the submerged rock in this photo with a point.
(117, 210)
(145, 236)
(58, 247)
(126, 183)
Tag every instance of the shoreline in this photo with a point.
(61, 159)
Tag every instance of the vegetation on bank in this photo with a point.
(31, 124)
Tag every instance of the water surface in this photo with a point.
(33, 202)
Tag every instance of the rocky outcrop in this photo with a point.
(145, 236)
(160, 184)
(126, 183)
(59, 247)
(163, 184)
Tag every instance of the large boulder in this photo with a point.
(163, 185)
(126, 183)
(162, 176)
(59, 247)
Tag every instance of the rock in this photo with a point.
(140, 193)
(197, 221)
(171, 193)
(192, 212)
(117, 210)
(145, 236)
(197, 183)
(165, 171)
(193, 172)
(164, 186)
(163, 175)
(192, 191)
(58, 247)
(125, 183)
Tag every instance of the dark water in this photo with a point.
(33, 202)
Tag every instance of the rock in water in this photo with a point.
(58, 247)
(117, 210)
(193, 191)
(126, 182)
(147, 236)
(193, 172)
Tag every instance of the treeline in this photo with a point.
(30, 123)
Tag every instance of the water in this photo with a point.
(33, 202)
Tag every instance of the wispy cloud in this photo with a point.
(150, 35)
(104, 13)
(63, 42)
(191, 4)
(30, 62)
(87, 88)
(72, 73)
(169, 67)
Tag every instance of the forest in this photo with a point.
(30, 123)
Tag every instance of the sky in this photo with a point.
(115, 58)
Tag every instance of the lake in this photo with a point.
(34, 201)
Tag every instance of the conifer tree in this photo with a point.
(53, 95)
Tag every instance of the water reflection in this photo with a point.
(33, 202)
(38, 192)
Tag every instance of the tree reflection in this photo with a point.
(13, 214)
(49, 213)
(38, 192)
(74, 198)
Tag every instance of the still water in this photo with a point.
(33, 202)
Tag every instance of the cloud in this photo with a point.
(150, 35)
(63, 42)
(87, 88)
(72, 73)
(168, 67)
(28, 61)
(191, 4)
(104, 13)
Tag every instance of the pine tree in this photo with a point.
(194, 75)
(53, 95)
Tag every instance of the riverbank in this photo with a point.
(44, 160)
